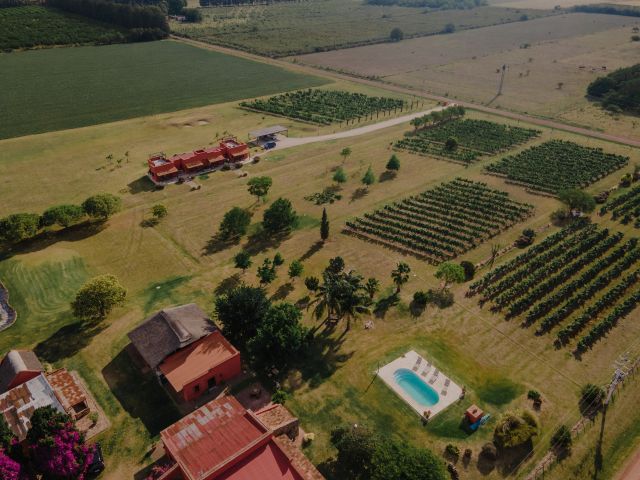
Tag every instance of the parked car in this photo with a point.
(97, 465)
(269, 145)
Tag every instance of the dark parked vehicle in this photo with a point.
(97, 465)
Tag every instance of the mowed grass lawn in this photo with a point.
(63, 88)
(176, 262)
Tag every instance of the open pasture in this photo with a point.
(549, 64)
(90, 85)
(179, 261)
(303, 27)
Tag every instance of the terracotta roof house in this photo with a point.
(223, 441)
(71, 395)
(186, 350)
(17, 367)
(18, 404)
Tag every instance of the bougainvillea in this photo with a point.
(63, 456)
(9, 468)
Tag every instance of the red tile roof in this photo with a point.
(212, 436)
(267, 462)
(197, 359)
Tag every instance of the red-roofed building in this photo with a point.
(224, 441)
(165, 170)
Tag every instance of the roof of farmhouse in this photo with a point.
(15, 362)
(170, 330)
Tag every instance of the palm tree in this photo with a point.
(372, 286)
(400, 275)
(495, 250)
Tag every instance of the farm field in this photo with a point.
(134, 80)
(625, 207)
(474, 138)
(443, 222)
(557, 165)
(34, 26)
(177, 261)
(295, 28)
(548, 4)
(548, 78)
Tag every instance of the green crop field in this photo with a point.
(33, 26)
(295, 28)
(57, 89)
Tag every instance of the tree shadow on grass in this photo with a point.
(217, 244)
(68, 341)
(160, 292)
(228, 284)
(322, 358)
(261, 241)
(359, 193)
(387, 175)
(510, 459)
(141, 185)
(282, 292)
(384, 304)
(74, 233)
(140, 395)
(313, 249)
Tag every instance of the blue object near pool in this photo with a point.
(415, 387)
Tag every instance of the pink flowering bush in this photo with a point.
(63, 455)
(9, 468)
(158, 470)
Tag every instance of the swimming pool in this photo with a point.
(415, 387)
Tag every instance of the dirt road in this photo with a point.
(632, 469)
(634, 142)
(287, 142)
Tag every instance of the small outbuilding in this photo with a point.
(474, 414)
(18, 367)
(267, 134)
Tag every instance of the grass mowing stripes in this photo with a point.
(47, 90)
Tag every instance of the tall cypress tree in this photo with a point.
(324, 225)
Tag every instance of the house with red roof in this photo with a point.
(224, 441)
(186, 350)
(18, 367)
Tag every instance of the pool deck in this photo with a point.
(427, 373)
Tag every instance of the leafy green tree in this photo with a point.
(102, 206)
(242, 260)
(280, 336)
(159, 211)
(400, 275)
(295, 269)
(577, 199)
(312, 283)
(62, 215)
(234, 224)
(591, 397)
(241, 312)
(561, 439)
(394, 163)
(372, 286)
(396, 35)
(344, 153)
(97, 297)
(416, 123)
(340, 176)
(279, 217)
(18, 227)
(280, 396)
(192, 15)
(366, 455)
(324, 226)
(259, 187)
(175, 7)
(369, 178)
(469, 270)
(45, 423)
(451, 273)
(278, 259)
(266, 272)
(451, 144)
(514, 429)
(7, 436)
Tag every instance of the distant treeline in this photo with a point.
(432, 4)
(229, 3)
(609, 9)
(144, 22)
(18, 3)
(620, 90)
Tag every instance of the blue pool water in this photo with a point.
(415, 387)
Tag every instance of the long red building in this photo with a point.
(166, 170)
